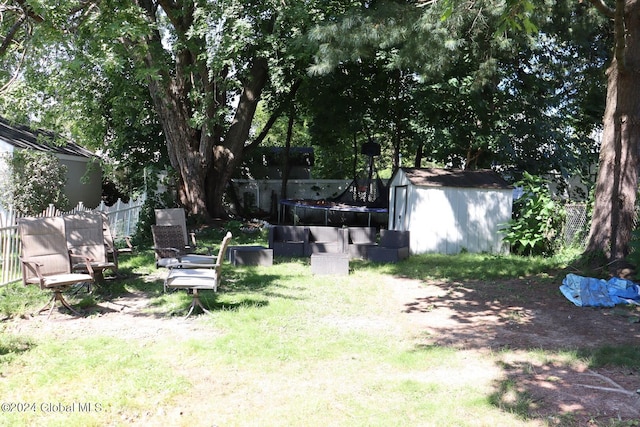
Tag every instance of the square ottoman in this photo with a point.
(330, 263)
(250, 255)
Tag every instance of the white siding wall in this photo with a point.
(5, 147)
(448, 220)
(261, 189)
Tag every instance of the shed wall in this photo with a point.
(5, 147)
(449, 220)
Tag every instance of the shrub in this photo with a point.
(32, 180)
(536, 219)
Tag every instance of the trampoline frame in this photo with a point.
(330, 207)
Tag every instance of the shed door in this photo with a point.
(399, 207)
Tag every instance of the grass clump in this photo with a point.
(620, 356)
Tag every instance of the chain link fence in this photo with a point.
(575, 228)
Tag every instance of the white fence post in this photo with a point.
(9, 245)
(123, 219)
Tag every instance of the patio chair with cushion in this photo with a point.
(46, 261)
(170, 250)
(199, 278)
(176, 216)
(84, 233)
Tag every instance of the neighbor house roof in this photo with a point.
(26, 138)
(434, 177)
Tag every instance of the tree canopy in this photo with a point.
(460, 93)
(205, 67)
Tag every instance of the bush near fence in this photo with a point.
(123, 219)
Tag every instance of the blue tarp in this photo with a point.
(591, 292)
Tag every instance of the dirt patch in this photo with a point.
(123, 317)
(522, 315)
(483, 316)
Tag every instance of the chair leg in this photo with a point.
(75, 289)
(64, 302)
(57, 296)
(52, 303)
(195, 301)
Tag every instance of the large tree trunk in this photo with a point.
(227, 155)
(617, 182)
(204, 156)
(189, 150)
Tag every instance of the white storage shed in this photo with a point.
(450, 210)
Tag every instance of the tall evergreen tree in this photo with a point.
(617, 184)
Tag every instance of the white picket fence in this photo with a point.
(123, 219)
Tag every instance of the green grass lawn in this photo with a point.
(281, 348)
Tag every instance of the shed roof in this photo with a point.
(26, 138)
(435, 177)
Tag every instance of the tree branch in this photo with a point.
(11, 34)
(603, 8)
(274, 116)
(617, 14)
(29, 11)
(15, 74)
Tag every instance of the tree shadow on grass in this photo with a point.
(12, 346)
(468, 303)
(239, 287)
(485, 301)
(568, 393)
(126, 290)
(468, 266)
(211, 302)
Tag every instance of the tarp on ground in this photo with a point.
(592, 292)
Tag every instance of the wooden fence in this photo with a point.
(123, 219)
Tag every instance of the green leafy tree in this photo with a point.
(460, 93)
(205, 66)
(347, 108)
(33, 180)
(616, 187)
(454, 91)
(614, 211)
(17, 21)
